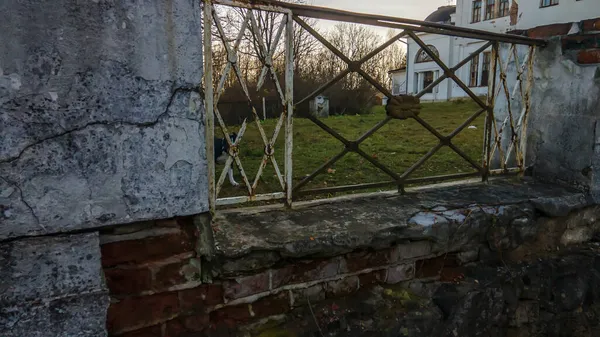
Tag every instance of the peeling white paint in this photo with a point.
(53, 95)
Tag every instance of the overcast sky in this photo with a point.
(411, 9)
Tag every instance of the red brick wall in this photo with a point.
(586, 44)
(153, 275)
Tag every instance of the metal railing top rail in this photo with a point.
(326, 13)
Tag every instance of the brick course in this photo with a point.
(591, 56)
(155, 284)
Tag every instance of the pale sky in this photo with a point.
(410, 9)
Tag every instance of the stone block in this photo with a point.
(524, 228)
(318, 270)
(246, 286)
(35, 269)
(468, 256)
(252, 262)
(133, 313)
(284, 276)
(400, 273)
(81, 315)
(313, 294)
(410, 250)
(342, 287)
(364, 260)
(576, 236)
(527, 312)
(372, 278)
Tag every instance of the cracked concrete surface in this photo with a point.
(562, 125)
(100, 115)
(448, 217)
(64, 295)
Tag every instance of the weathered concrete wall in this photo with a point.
(52, 287)
(100, 116)
(562, 136)
(100, 124)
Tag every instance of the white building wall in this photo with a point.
(398, 82)
(415, 70)
(463, 48)
(531, 15)
(454, 49)
(463, 18)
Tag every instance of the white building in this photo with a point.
(488, 15)
(398, 78)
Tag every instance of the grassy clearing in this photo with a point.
(398, 145)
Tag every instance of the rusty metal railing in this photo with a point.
(503, 134)
(285, 95)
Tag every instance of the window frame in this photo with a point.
(423, 57)
(475, 9)
(490, 10)
(550, 3)
(503, 8)
(486, 67)
(474, 73)
(425, 84)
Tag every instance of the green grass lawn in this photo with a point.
(398, 145)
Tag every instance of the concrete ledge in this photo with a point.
(452, 216)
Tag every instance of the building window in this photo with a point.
(476, 14)
(548, 3)
(504, 9)
(485, 68)
(422, 56)
(427, 80)
(490, 8)
(474, 71)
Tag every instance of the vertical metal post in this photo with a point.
(527, 104)
(491, 102)
(209, 105)
(289, 109)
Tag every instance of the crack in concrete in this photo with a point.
(66, 132)
(22, 196)
(108, 123)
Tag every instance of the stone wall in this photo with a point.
(265, 268)
(100, 124)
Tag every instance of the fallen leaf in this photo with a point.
(330, 171)
(312, 239)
